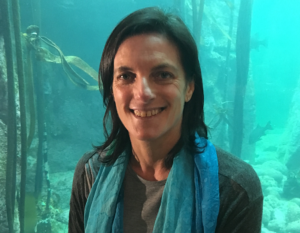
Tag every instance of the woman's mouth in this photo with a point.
(147, 114)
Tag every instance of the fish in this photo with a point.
(258, 132)
(256, 42)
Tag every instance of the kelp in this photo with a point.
(242, 68)
(203, 10)
(44, 54)
(222, 114)
(42, 152)
(228, 49)
(39, 46)
(30, 98)
(20, 72)
(11, 161)
(35, 45)
(35, 6)
(197, 18)
(11, 26)
(212, 19)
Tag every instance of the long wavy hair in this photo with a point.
(145, 21)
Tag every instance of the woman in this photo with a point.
(157, 172)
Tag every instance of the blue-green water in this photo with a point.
(74, 115)
(276, 68)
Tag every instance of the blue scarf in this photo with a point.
(190, 200)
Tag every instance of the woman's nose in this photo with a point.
(144, 89)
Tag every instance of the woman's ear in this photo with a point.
(189, 91)
(111, 92)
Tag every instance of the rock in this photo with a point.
(3, 155)
(266, 216)
(271, 201)
(293, 227)
(61, 184)
(296, 200)
(3, 136)
(63, 217)
(289, 148)
(278, 166)
(57, 226)
(268, 182)
(276, 226)
(275, 191)
(265, 157)
(265, 230)
(267, 171)
(278, 223)
(293, 212)
(291, 188)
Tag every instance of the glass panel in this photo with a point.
(249, 57)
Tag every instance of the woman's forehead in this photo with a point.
(147, 48)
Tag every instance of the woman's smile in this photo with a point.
(144, 115)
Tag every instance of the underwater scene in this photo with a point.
(51, 109)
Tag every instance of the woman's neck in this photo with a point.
(148, 158)
(149, 171)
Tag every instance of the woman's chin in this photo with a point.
(145, 136)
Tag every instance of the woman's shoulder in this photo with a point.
(241, 197)
(235, 172)
(88, 167)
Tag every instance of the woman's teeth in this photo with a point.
(147, 113)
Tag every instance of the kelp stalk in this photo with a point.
(30, 97)
(38, 76)
(36, 12)
(29, 37)
(46, 167)
(242, 67)
(200, 17)
(197, 19)
(42, 153)
(20, 71)
(11, 117)
(228, 54)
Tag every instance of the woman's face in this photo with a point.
(149, 87)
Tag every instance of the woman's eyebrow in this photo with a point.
(155, 68)
(164, 66)
(122, 69)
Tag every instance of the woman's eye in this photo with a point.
(164, 75)
(125, 76)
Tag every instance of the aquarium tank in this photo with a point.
(51, 109)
